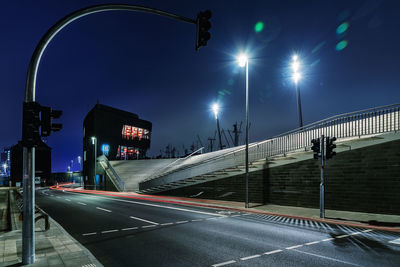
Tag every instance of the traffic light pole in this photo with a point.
(322, 185)
(28, 234)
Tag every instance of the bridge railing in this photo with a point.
(345, 126)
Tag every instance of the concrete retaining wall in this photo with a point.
(365, 179)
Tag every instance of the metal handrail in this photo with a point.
(348, 125)
(172, 163)
(121, 183)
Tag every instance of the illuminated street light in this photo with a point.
(215, 108)
(243, 60)
(94, 142)
(296, 77)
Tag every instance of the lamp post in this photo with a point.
(215, 108)
(80, 168)
(94, 142)
(296, 76)
(244, 61)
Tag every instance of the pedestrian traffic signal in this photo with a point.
(46, 121)
(30, 124)
(330, 146)
(203, 27)
(316, 147)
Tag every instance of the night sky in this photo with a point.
(147, 65)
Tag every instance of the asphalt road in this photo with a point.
(130, 232)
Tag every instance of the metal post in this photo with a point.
(322, 185)
(95, 162)
(30, 92)
(28, 222)
(219, 134)
(299, 105)
(247, 134)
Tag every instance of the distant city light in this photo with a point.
(259, 26)
(215, 109)
(242, 60)
(341, 45)
(105, 148)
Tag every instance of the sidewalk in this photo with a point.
(54, 247)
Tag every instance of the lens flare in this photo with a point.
(342, 28)
(341, 45)
(259, 26)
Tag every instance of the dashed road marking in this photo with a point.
(163, 224)
(368, 230)
(223, 263)
(327, 239)
(273, 252)
(312, 243)
(109, 231)
(143, 220)
(250, 257)
(103, 209)
(396, 241)
(148, 226)
(293, 247)
(90, 233)
(181, 222)
(68, 199)
(130, 228)
(82, 203)
(58, 197)
(341, 236)
(197, 220)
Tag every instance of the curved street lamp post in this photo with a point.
(28, 229)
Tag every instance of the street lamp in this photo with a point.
(215, 108)
(94, 142)
(80, 168)
(243, 60)
(296, 76)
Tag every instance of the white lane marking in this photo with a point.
(109, 231)
(328, 239)
(197, 220)
(131, 228)
(293, 247)
(250, 257)
(163, 224)
(396, 241)
(82, 203)
(181, 222)
(273, 252)
(103, 209)
(341, 236)
(324, 257)
(312, 243)
(68, 199)
(237, 215)
(355, 233)
(366, 231)
(154, 205)
(212, 218)
(90, 233)
(223, 263)
(143, 220)
(58, 197)
(147, 226)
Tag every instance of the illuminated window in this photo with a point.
(127, 153)
(131, 133)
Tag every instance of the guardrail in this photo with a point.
(41, 213)
(116, 180)
(344, 126)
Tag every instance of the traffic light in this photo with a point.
(46, 122)
(203, 27)
(330, 146)
(30, 124)
(316, 143)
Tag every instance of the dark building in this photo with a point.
(114, 133)
(42, 164)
